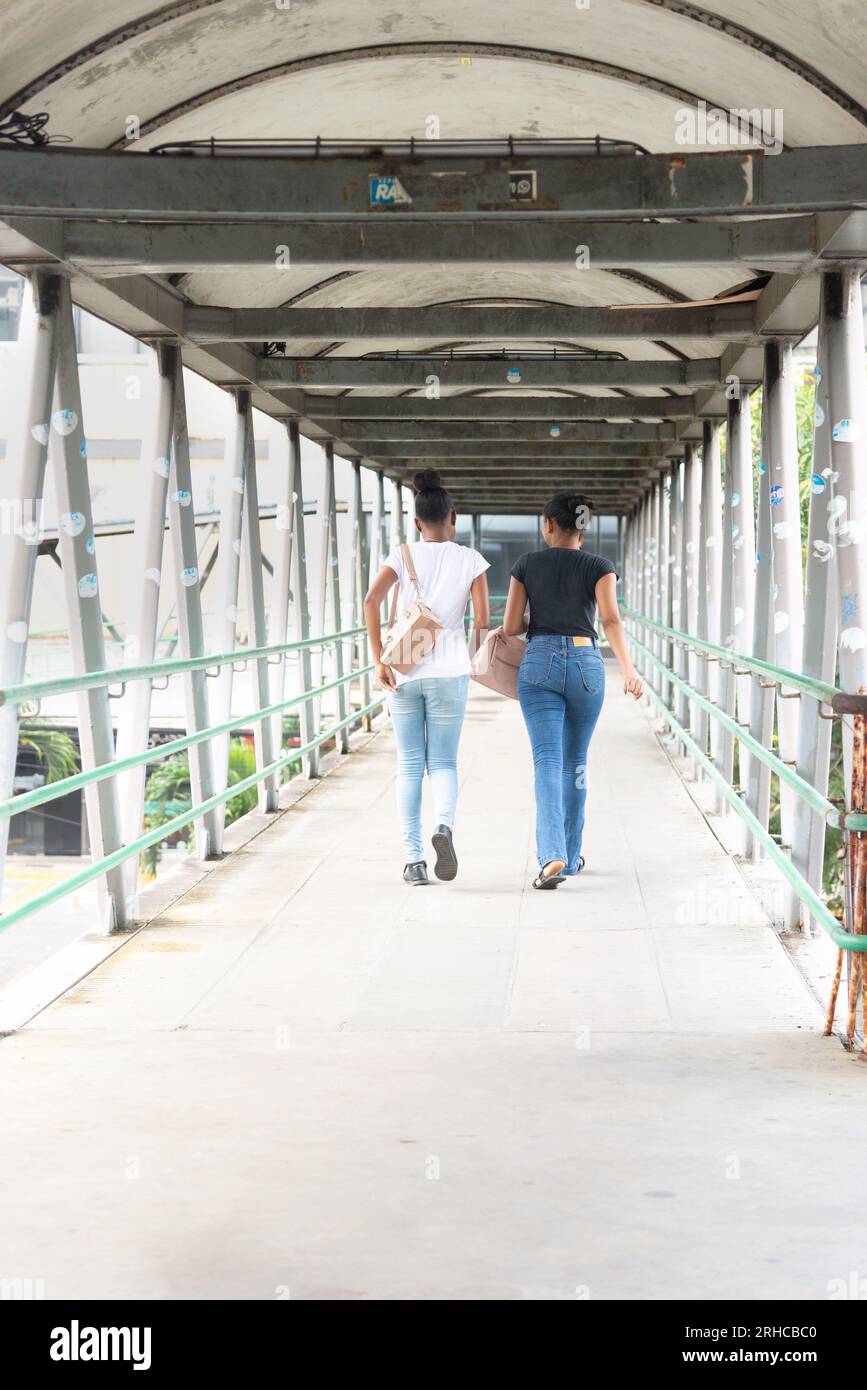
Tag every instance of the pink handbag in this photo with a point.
(497, 661)
(412, 638)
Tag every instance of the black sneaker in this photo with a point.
(446, 866)
(415, 873)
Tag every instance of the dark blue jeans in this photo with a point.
(561, 688)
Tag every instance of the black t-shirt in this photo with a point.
(561, 587)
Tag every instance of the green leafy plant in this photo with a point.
(168, 792)
(52, 747)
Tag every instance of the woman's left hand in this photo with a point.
(633, 685)
(385, 676)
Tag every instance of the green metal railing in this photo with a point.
(818, 803)
(35, 690)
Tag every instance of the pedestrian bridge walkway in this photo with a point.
(304, 1079)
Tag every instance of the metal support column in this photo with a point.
(84, 615)
(257, 622)
(820, 648)
(762, 692)
(228, 576)
(191, 637)
(654, 577)
(641, 576)
(709, 583)
(141, 633)
(664, 572)
(278, 627)
(781, 458)
(25, 466)
(476, 532)
(359, 573)
(844, 317)
(301, 608)
(688, 584)
(738, 572)
(342, 650)
(672, 597)
(398, 517)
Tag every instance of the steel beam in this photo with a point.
(464, 372)
(339, 409)
(407, 454)
(447, 186)
(370, 433)
(340, 650)
(731, 322)
(159, 248)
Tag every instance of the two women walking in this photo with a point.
(561, 681)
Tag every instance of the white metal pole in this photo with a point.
(782, 462)
(77, 550)
(279, 622)
(141, 633)
(258, 625)
(25, 469)
(191, 638)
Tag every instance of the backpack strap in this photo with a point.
(410, 567)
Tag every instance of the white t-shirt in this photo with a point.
(445, 574)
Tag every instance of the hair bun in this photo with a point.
(426, 479)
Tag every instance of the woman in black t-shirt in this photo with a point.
(561, 684)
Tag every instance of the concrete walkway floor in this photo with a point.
(305, 1079)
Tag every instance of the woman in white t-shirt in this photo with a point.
(427, 705)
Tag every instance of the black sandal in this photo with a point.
(543, 880)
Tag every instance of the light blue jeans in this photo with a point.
(561, 688)
(427, 715)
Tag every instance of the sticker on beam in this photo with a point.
(523, 185)
(386, 190)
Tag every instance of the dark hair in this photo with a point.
(571, 511)
(432, 502)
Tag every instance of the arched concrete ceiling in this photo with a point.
(372, 70)
(91, 66)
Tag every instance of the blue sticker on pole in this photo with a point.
(817, 483)
(777, 494)
(386, 190)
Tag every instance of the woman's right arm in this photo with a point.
(514, 622)
(373, 601)
(609, 616)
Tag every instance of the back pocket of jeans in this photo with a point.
(592, 674)
(536, 667)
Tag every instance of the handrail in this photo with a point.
(25, 801)
(807, 684)
(808, 896)
(161, 832)
(121, 675)
(832, 814)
